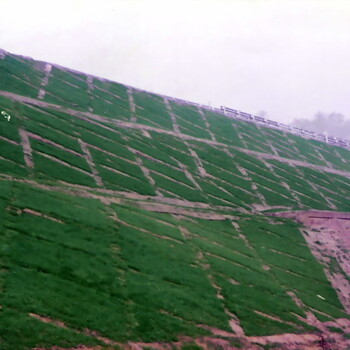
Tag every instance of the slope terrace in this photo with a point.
(130, 218)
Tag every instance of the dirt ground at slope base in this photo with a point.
(282, 342)
(223, 340)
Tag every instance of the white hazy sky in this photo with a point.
(289, 58)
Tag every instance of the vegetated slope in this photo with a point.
(127, 216)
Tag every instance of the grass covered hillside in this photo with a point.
(134, 220)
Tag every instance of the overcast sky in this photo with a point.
(288, 58)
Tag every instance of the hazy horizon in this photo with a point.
(288, 59)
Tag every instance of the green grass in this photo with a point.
(220, 197)
(151, 277)
(9, 129)
(311, 300)
(48, 169)
(175, 174)
(255, 142)
(327, 151)
(58, 153)
(6, 103)
(221, 239)
(5, 189)
(191, 346)
(169, 142)
(317, 177)
(11, 168)
(240, 273)
(19, 77)
(308, 289)
(60, 206)
(54, 276)
(141, 219)
(73, 78)
(187, 193)
(23, 68)
(114, 88)
(11, 152)
(261, 233)
(190, 121)
(52, 135)
(116, 147)
(59, 92)
(166, 280)
(332, 186)
(270, 182)
(118, 164)
(345, 154)
(146, 147)
(109, 106)
(223, 129)
(307, 268)
(20, 331)
(117, 181)
(236, 195)
(332, 158)
(335, 329)
(154, 286)
(215, 157)
(80, 239)
(305, 276)
(174, 148)
(253, 165)
(317, 204)
(53, 119)
(232, 179)
(231, 255)
(47, 294)
(275, 199)
(245, 299)
(189, 129)
(189, 113)
(153, 110)
(306, 149)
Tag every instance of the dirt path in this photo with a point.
(207, 125)
(91, 163)
(172, 115)
(27, 149)
(198, 162)
(37, 213)
(132, 105)
(147, 174)
(45, 81)
(90, 91)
